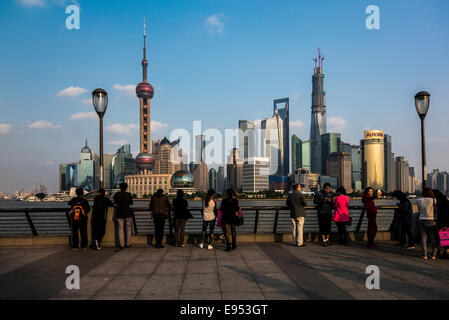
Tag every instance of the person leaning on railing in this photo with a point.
(210, 213)
(324, 204)
(229, 207)
(427, 224)
(99, 218)
(371, 214)
(159, 207)
(123, 200)
(341, 215)
(181, 214)
(297, 203)
(80, 208)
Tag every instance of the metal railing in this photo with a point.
(261, 219)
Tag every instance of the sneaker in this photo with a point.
(434, 257)
(210, 247)
(201, 245)
(301, 245)
(410, 246)
(75, 249)
(99, 246)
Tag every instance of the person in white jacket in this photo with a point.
(427, 225)
(209, 217)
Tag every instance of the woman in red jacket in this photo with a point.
(371, 213)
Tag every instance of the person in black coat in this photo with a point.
(229, 209)
(297, 203)
(99, 218)
(79, 209)
(123, 200)
(406, 220)
(181, 214)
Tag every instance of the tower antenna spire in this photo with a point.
(144, 61)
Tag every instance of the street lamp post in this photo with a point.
(100, 102)
(422, 103)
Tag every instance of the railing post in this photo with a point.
(30, 222)
(134, 221)
(276, 221)
(69, 221)
(256, 221)
(359, 224)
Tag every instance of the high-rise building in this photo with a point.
(86, 172)
(318, 121)
(200, 146)
(388, 165)
(201, 177)
(234, 169)
(123, 164)
(68, 176)
(255, 174)
(372, 152)
(296, 153)
(356, 164)
(213, 179)
(306, 155)
(285, 151)
(108, 171)
(345, 147)
(273, 141)
(221, 183)
(402, 174)
(338, 164)
(330, 142)
(247, 139)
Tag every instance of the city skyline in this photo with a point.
(64, 70)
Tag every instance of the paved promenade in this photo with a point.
(252, 271)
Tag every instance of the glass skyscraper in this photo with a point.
(330, 142)
(296, 153)
(306, 155)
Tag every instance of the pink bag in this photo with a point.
(219, 219)
(444, 237)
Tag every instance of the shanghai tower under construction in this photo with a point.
(318, 121)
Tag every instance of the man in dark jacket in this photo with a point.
(297, 203)
(324, 204)
(123, 200)
(99, 218)
(79, 209)
(159, 207)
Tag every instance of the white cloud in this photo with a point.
(117, 142)
(71, 92)
(296, 96)
(84, 115)
(5, 128)
(87, 101)
(214, 24)
(129, 89)
(119, 128)
(296, 124)
(156, 125)
(336, 124)
(43, 124)
(32, 3)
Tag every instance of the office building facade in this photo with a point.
(372, 152)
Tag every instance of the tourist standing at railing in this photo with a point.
(341, 215)
(181, 214)
(427, 224)
(325, 204)
(297, 204)
(230, 207)
(123, 200)
(210, 213)
(99, 218)
(442, 216)
(371, 214)
(406, 219)
(79, 209)
(159, 207)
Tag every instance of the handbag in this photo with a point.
(444, 237)
(239, 215)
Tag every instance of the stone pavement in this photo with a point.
(271, 271)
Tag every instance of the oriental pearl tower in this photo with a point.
(144, 91)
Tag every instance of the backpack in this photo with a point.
(78, 212)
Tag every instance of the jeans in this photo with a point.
(297, 232)
(81, 226)
(226, 228)
(208, 238)
(159, 223)
(342, 233)
(180, 226)
(428, 229)
(99, 228)
(121, 232)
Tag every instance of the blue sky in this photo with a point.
(218, 62)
